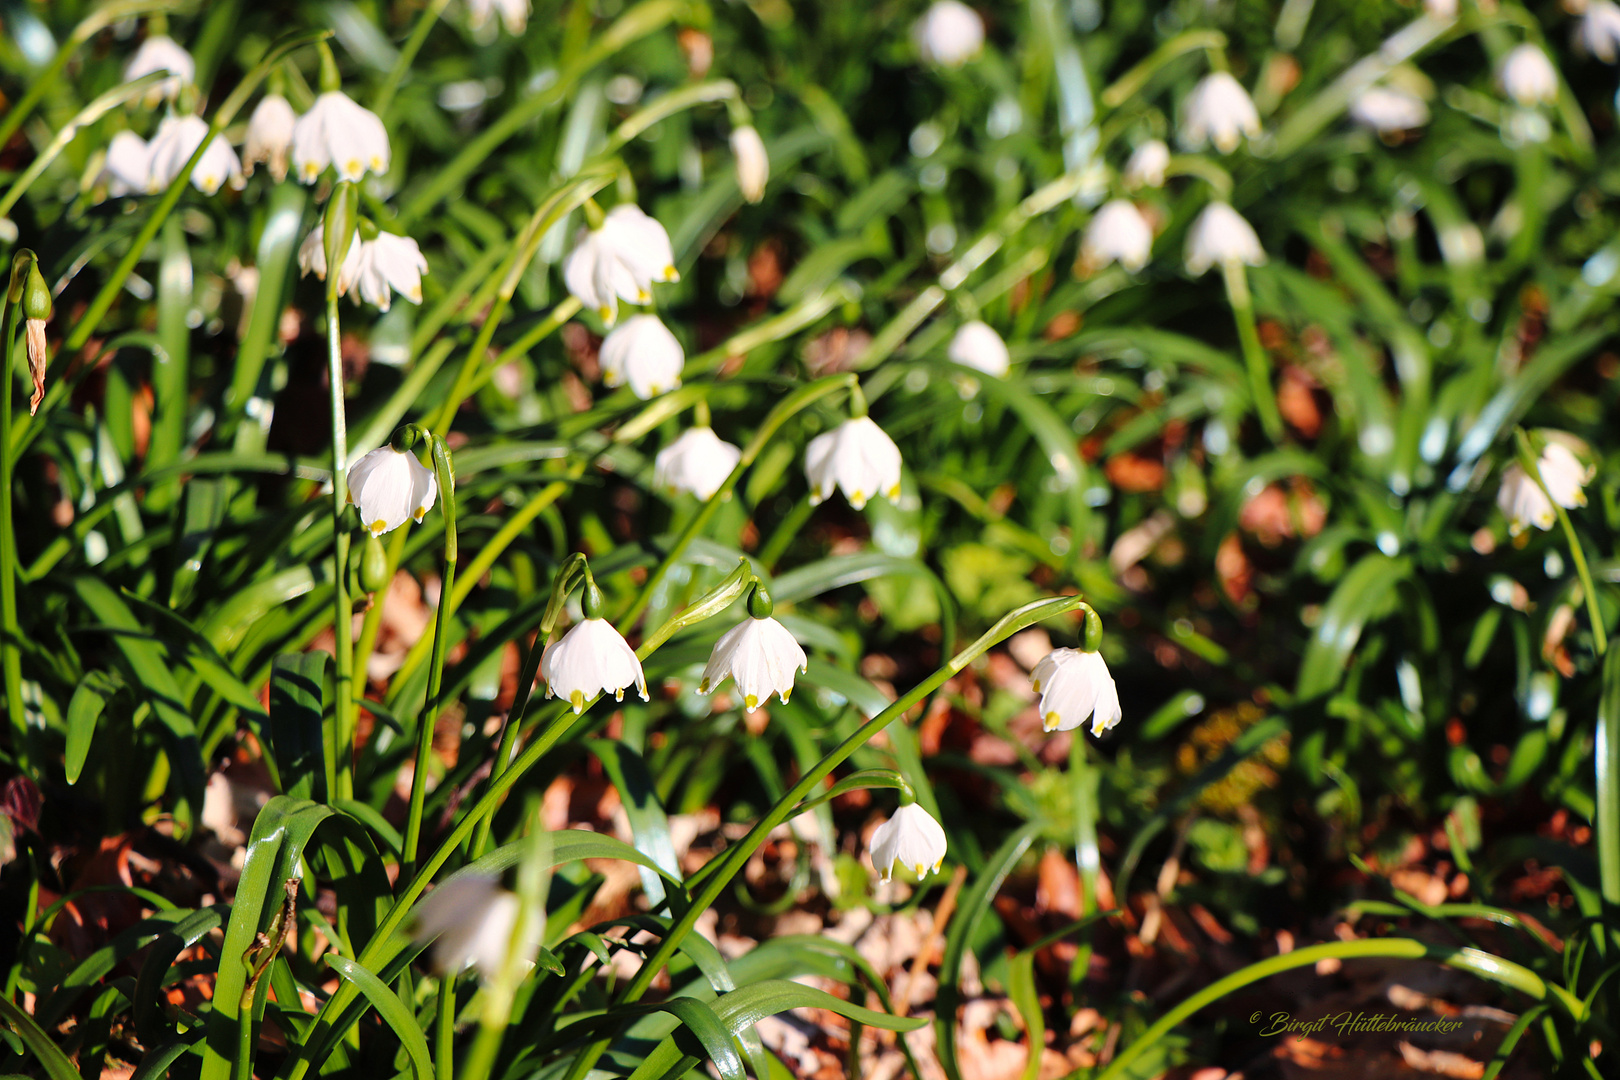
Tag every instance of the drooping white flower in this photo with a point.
(761, 655)
(1598, 31)
(1388, 108)
(1147, 164)
(753, 164)
(338, 132)
(1523, 502)
(1118, 232)
(619, 261)
(387, 263)
(391, 488)
(373, 269)
(1221, 235)
(1528, 77)
(128, 167)
(911, 838)
(1218, 111)
(856, 456)
(474, 920)
(1075, 685)
(976, 345)
(643, 353)
(270, 136)
(1440, 9)
(698, 463)
(949, 34)
(176, 140)
(161, 53)
(591, 658)
(514, 14)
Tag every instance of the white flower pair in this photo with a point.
(374, 269)
(1524, 503)
(135, 166)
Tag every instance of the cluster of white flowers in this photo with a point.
(1524, 503)
(372, 269)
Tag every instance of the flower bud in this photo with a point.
(36, 303)
(341, 220)
(373, 565)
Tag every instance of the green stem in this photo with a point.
(407, 55)
(509, 737)
(444, 1050)
(10, 629)
(1254, 355)
(441, 634)
(735, 858)
(342, 609)
(778, 416)
(1607, 758)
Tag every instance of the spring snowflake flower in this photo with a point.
(1598, 31)
(1147, 164)
(391, 488)
(373, 269)
(342, 134)
(911, 838)
(1218, 111)
(1220, 235)
(1523, 502)
(514, 14)
(474, 919)
(978, 346)
(698, 463)
(161, 53)
(761, 655)
(128, 167)
(753, 164)
(619, 261)
(592, 658)
(1387, 109)
(1118, 232)
(1074, 685)
(643, 353)
(1528, 77)
(856, 456)
(270, 136)
(176, 140)
(949, 34)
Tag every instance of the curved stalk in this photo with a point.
(413, 45)
(1254, 355)
(10, 632)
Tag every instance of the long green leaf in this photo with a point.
(391, 1009)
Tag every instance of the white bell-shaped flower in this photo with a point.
(977, 345)
(619, 261)
(856, 456)
(1388, 109)
(1221, 235)
(514, 14)
(592, 658)
(270, 136)
(161, 53)
(949, 34)
(391, 488)
(753, 164)
(1118, 233)
(911, 838)
(338, 132)
(176, 140)
(474, 920)
(697, 463)
(1218, 111)
(1598, 31)
(761, 655)
(643, 353)
(1523, 502)
(1075, 685)
(128, 167)
(387, 263)
(1528, 77)
(1147, 164)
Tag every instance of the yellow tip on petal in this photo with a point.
(378, 527)
(921, 869)
(419, 513)
(618, 695)
(671, 274)
(577, 700)
(354, 166)
(703, 687)
(1036, 684)
(939, 862)
(751, 702)
(376, 163)
(1049, 722)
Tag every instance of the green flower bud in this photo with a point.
(759, 602)
(1093, 638)
(373, 565)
